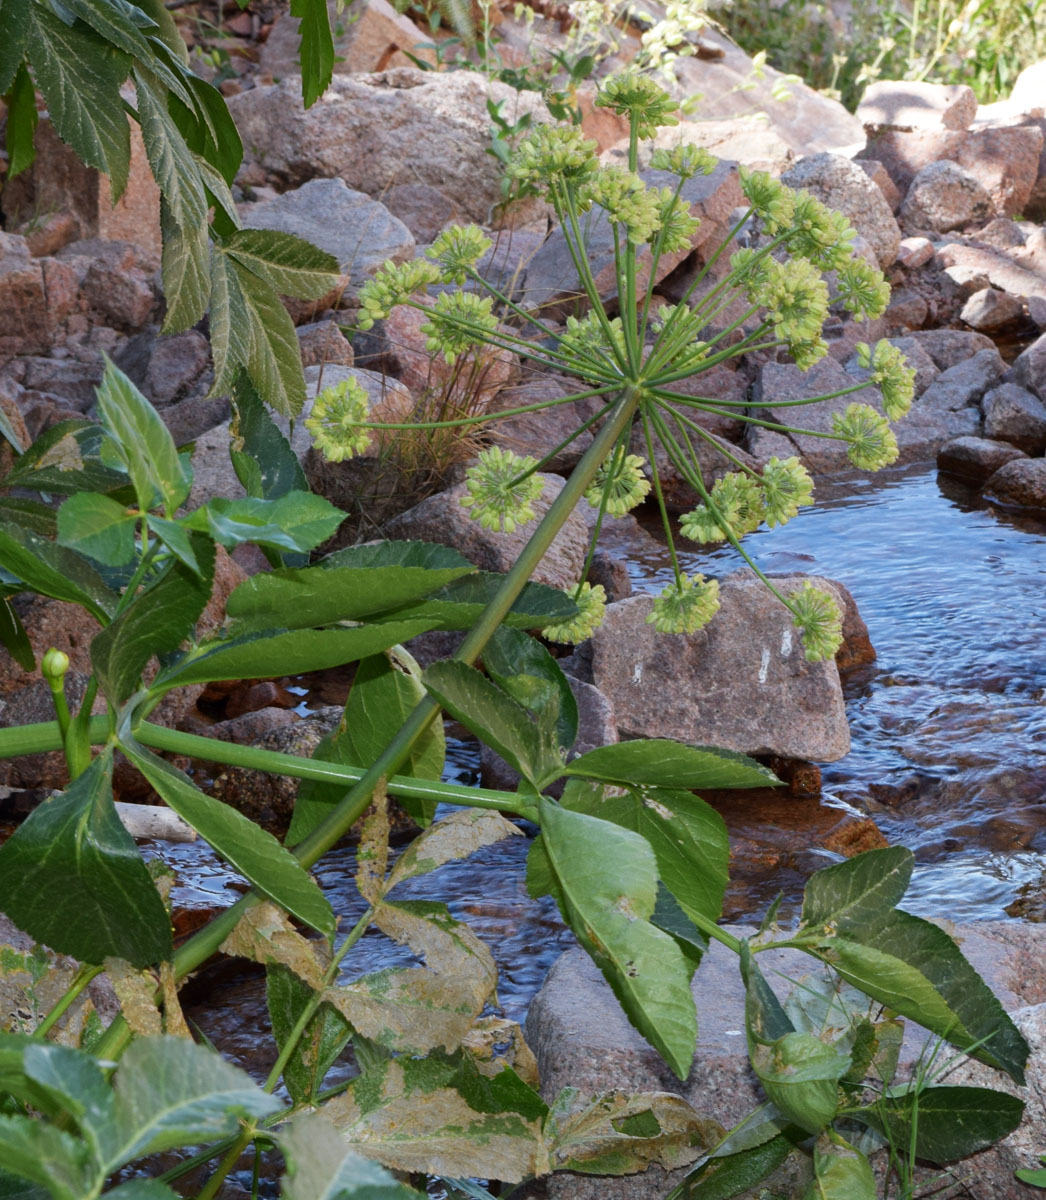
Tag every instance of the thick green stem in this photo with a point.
(82, 978)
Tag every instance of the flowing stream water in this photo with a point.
(949, 734)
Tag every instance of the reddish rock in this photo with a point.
(536, 433)
(913, 252)
(1020, 483)
(1029, 368)
(990, 310)
(944, 196)
(51, 233)
(879, 175)
(1014, 415)
(323, 342)
(901, 104)
(25, 326)
(975, 458)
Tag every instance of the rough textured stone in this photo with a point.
(322, 342)
(742, 682)
(926, 370)
(582, 1039)
(1011, 273)
(976, 458)
(943, 196)
(536, 433)
(1014, 415)
(1029, 368)
(746, 139)
(1004, 160)
(1029, 88)
(879, 175)
(74, 381)
(375, 131)
(441, 518)
(551, 275)
(423, 209)
(914, 252)
(990, 310)
(1021, 483)
(165, 367)
(374, 40)
(359, 232)
(908, 309)
(900, 104)
(806, 120)
(843, 185)
(948, 347)
(24, 322)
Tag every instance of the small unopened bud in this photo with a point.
(54, 665)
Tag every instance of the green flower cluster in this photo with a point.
(686, 161)
(395, 283)
(458, 322)
(337, 419)
(817, 617)
(585, 340)
(501, 489)
(626, 200)
(638, 97)
(896, 380)
(872, 443)
(622, 482)
(685, 605)
(553, 153)
(591, 601)
(457, 250)
(739, 502)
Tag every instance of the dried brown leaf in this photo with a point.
(455, 836)
(136, 991)
(372, 856)
(265, 934)
(496, 1043)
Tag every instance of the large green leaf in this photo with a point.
(296, 521)
(232, 329)
(385, 691)
(143, 442)
(859, 889)
(948, 1123)
(170, 1092)
(14, 637)
(457, 835)
(459, 604)
(524, 668)
(170, 158)
(320, 1166)
(142, 1189)
(306, 597)
(156, 622)
(67, 458)
(289, 264)
(494, 717)
(14, 1188)
(688, 838)
(605, 881)
(53, 570)
(273, 653)
(732, 1174)
(840, 1172)
(429, 555)
(801, 1074)
(274, 359)
(326, 1033)
(187, 282)
(250, 849)
(915, 968)
(72, 878)
(219, 139)
(15, 27)
(669, 764)
(261, 456)
(99, 527)
(317, 48)
(80, 75)
(38, 1151)
(22, 120)
(123, 24)
(78, 1084)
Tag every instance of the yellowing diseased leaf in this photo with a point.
(264, 933)
(136, 992)
(372, 857)
(455, 836)
(64, 455)
(403, 1115)
(496, 1043)
(619, 1134)
(416, 1009)
(173, 1017)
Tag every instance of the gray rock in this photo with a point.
(966, 383)
(901, 104)
(842, 184)
(423, 209)
(213, 474)
(442, 519)
(322, 342)
(913, 252)
(551, 276)
(1021, 483)
(358, 231)
(1008, 272)
(536, 433)
(581, 1038)
(165, 367)
(976, 458)
(1014, 415)
(69, 378)
(948, 347)
(943, 196)
(742, 682)
(908, 309)
(990, 310)
(1029, 368)
(376, 131)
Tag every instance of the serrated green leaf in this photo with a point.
(30, 514)
(171, 1092)
(14, 1188)
(455, 836)
(272, 653)
(948, 1122)
(15, 26)
(156, 622)
(438, 1116)
(414, 1010)
(209, 129)
(915, 968)
(326, 1034)
(320, 1166)
(858, 889)
(274, 360)
(258, 441)
(250, 849)
(99, 527)
(142, 441)
(54, 571)
(72, 878)
(459, 604)
(65, 459)
(14, 637)
(80, 75)
(78, 1084)
(118, 22)
(186, 266)
(664, 763)
(231, 326)
(289, 264)
(606, 884)
(169, 157)
(316, 53)
(511, 655)
(431, 556)
(22, 120)
(594, 1134)
(37, 1151)
(297, 521)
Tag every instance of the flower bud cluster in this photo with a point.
(336, 423)
(591, 601)
(623, 484)
(501, 489)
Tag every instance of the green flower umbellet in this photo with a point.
(338, 419)
(591, 601)
(818, 619)
(796, 266)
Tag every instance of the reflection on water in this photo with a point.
(949, 753)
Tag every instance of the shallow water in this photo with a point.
(949, 752)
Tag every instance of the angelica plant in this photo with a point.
(799, 263)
